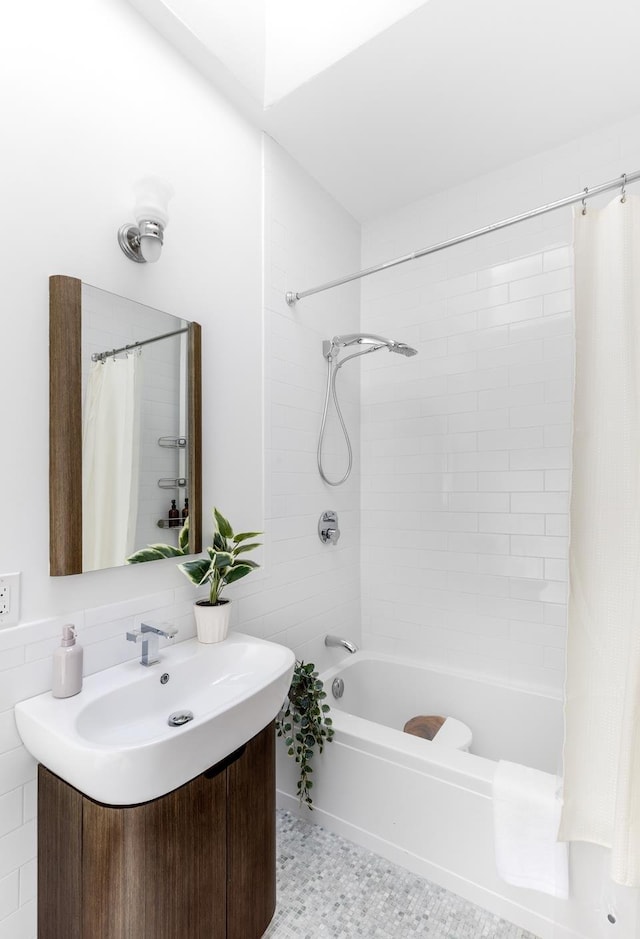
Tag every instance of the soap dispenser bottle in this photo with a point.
(67, 665)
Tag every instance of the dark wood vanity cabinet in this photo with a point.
(198, 863)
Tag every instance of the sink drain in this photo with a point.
(178, 718)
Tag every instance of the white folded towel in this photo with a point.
(526, 816)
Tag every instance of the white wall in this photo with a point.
(77, 133)
(78, 129)
(466, 447)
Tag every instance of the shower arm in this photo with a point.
(354, 355)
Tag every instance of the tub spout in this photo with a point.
(337, 641)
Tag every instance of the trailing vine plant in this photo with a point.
(304, 725)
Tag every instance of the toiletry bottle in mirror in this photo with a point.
(67, 665)
(174, 515)
(185, 511)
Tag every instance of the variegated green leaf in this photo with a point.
(166, 550)
(197, 571)
(248, 547)
(224, 527)
(183, 537)
(145, 554)
(222, 559)
(243, 536)
(240, 570)
(219, 543)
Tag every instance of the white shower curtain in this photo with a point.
(602, 704)
(110, 462)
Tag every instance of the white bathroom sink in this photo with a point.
(113, 740)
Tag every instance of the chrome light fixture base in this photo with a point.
(129, 241)
(129, 236)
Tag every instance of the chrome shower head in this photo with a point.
(369, 343)
(403, 349)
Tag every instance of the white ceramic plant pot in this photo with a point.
(212, 622)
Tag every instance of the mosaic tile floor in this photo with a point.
(329, 887)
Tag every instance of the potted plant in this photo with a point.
(304, 725)
(224, 565)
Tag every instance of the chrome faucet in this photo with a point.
(149, 635)
(337, 641)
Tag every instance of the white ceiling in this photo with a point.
(302, 40)
(383, 112)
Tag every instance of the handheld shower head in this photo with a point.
(403, 349)
(368, 342)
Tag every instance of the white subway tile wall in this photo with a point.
(466, 448)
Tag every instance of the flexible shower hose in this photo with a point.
(331, 391)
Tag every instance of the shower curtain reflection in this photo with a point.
(110, 461)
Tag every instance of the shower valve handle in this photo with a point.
(328, 530)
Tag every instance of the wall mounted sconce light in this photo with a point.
(142, 242)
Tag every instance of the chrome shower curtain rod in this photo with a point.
(101, 356)
(619, 183)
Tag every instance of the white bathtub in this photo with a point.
(428, 807)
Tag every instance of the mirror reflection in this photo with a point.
(136, 444)
(134, 427)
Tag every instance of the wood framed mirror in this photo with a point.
(120, 455)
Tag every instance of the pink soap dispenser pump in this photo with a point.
(67, 665)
